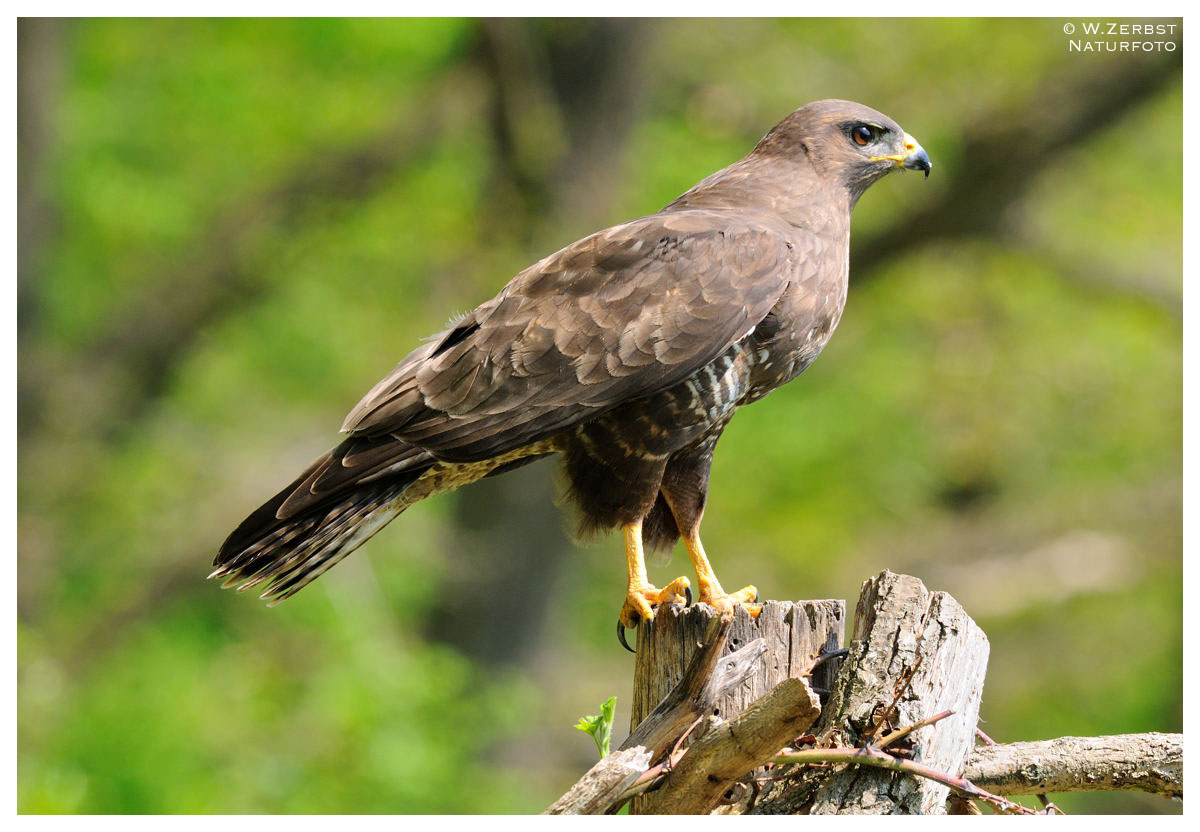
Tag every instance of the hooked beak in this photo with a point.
(914, 157)
(918, 159)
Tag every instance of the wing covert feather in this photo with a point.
(618, 315)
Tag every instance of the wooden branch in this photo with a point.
(734, 749)
(604, 784)
(915, 654)
(872, 756)
(707, 680)
(1142, 762)
(952, 805)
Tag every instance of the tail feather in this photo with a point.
(300, 533)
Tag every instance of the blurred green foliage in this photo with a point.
(998, 414)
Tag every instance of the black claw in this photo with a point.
(621, 637)
(687, 593)
(832, 654)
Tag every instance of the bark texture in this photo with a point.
(711, 676)
(915, 653)
(794, 634)
(600, 788)
(1142, 762)
(731, 750)
(906, 701)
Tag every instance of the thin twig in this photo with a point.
(650, 779)
(902, 686)
(651, 776)
(903, 732)
(674, 755)
(874, 757)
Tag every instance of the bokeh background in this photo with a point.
(229, 230)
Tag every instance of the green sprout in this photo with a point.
(600, 726)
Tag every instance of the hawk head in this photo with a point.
(852, 144)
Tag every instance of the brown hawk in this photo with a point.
(627, 353)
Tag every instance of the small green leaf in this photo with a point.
(600, 726)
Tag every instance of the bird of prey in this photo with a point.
(627, 353)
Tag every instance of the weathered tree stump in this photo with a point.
(717, 699)
(711, 674)
(914, 654)
(795, 634)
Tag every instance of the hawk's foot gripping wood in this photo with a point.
(641, 596)
(641, 600)
(726, 603)
(711, 592)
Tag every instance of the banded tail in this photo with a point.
(331, 509)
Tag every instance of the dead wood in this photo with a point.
(733, 749)
(1150, 762)
(708, 678)
(604, 783)
(915, 654)
(794, 635)
(896, 735)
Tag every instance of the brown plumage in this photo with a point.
(627, 352)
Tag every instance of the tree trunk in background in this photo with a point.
(508, 546)
(40, 44)
(41, 58)
(562, 111)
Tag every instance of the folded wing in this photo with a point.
(618, 315)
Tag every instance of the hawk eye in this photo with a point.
(864, 134)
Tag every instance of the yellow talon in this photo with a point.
(725, 602)
(641, 600)
(641, 596)
(711, 592)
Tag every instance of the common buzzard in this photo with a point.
(626, 353)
